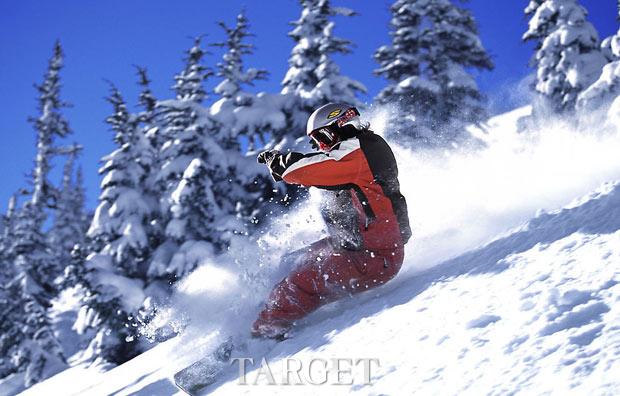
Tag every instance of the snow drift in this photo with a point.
(486, 302)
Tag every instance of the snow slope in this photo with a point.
(511, 285)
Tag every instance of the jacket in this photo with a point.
(364, 168)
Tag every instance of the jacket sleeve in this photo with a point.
(278, 163)
(317, 169)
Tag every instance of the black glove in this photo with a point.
(267, 156)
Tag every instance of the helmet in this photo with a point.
(327, 125)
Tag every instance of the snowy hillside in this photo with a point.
(511, 283)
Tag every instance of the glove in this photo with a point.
(267, 156)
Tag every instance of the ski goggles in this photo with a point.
(325, 138)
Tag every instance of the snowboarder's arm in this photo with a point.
(278, 163)
(318, 169)
(341, 166)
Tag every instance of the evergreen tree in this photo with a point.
(146, 99)
(147, 118)
(568, 58)
(8, 330)
(151, 142)
(27, 340)
(203, 213)
(77, 197)
(112, 269)
(50, 124)
(610, 46)
(105, 316)
(183, 123)
(192, 205)
(231, 68)
(189, 133)
(603, 91)
(36, 350)
(70, 220)
(402, 62)
(194, 212)
(209, 190)
(530, 10)
(434, 43)
(189, 82)
(313, 79)
(234, 116)
(8, 221)
(120, 224)
(229, 111)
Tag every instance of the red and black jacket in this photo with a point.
(363, 168)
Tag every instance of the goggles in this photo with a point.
(325, 138)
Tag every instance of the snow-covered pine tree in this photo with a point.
(150, 127)
(74, 258)
(402, 62)
(120, 225)
(231, 67)
(50, 124)
(458, 48)
(601, 94)
(70, 220)
(146, 99)
(78, 198)
(234, 101)
(35, 350)
(29, 342)
(189, 83)
(530, 10)
(192, 204)
(108, 305)
(183, 123)
(8, 330)
(434, 44)
(151, 142)
(148, 116)
(313, 78)
(194, 212)
(188, 131)
(609, 45)
(113, 269)
(568, 58)
(238, 115)
(8, 220)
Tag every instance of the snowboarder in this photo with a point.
(365, 213)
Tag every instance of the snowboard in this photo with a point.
(196, 378)
(205, 371)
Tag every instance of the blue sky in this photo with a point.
(103, 39)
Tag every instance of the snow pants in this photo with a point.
(323, 273)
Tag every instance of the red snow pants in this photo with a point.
(323, 274)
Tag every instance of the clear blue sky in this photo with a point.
(103, 39)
